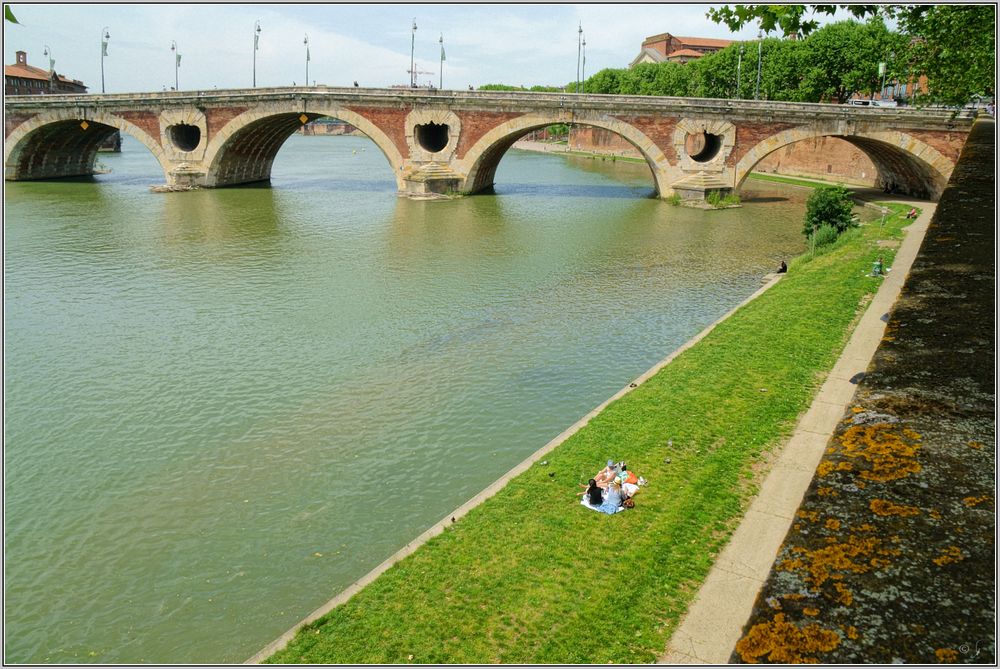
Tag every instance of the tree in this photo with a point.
(828, 205)
(843, 58)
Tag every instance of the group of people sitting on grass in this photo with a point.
(612, 489)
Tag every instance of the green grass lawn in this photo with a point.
(530, 576)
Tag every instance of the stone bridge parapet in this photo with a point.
(452, 141)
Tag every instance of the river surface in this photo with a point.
(224, 406)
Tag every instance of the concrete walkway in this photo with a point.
(715, 619)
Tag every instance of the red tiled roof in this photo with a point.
(704, 41)
(687, 53)
(25, 72)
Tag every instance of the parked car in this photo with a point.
(862, 102)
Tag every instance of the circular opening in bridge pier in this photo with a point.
(432, 136)
(702, 146)
(185, 137)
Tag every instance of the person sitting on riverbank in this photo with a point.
(783, 268)
(912, 213)
(878, 268)
(593, 493)
(605, 476)
(613, 502)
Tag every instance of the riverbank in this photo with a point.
(892, 557)
(521, 577)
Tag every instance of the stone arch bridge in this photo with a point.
(439, 142)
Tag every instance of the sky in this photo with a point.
(517, 44)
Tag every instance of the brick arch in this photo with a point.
(244, 149)
(52, 144)
(916, 167)
(480, 162)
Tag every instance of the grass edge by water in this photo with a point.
(522, 577)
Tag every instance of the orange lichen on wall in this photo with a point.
(891, 455)
(856, 554)
(810, 611)
(826, 467)
(832, 524)
(844, 596)
(884, 507)
(976, 445)
(976, 501)
(826, 492)
(782, 642)
(949, 555)
(811, 516)
(946, 655)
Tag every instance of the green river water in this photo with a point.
(224, 406)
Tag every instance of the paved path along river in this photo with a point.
(890, 557)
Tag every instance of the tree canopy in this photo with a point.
(954, 46)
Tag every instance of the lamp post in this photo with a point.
(177, 62)
(306, 42)
(441, 73)
(413, 41)
(579, 37)
(739, 65)
(105, 36)
(583, 69)
(47, 52)
(256, 39)
(756, 89)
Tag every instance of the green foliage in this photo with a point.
(674, 199)
(501, 87)
(956, 50)
(719, 201)
(824, 235)
(953, 45)
(518, 580)
(8, 15)
(558, 130)
(828, 205)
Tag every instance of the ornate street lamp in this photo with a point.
(413, 40)
(177, 62)
(47, 52)
(739, 65)
(306, 42)
(583, 77)
(256, 39)
(579, 36)
(756, 89)
(105, 36)
(441, 74)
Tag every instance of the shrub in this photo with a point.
(674, 199)
(828, 205)
(825, 234)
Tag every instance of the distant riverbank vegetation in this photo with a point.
(529, 576)
(953, 46)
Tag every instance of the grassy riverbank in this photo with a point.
(530, 576)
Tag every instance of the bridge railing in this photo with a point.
(525, 99)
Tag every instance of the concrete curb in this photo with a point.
(493, 488)
(714, 622)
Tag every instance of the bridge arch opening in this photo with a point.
(60, 149)
(484, 163)
(920, 172)
(247, 156)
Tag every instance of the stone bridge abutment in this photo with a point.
(450, 142)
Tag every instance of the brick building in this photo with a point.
(665, 47)
(23, 79)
